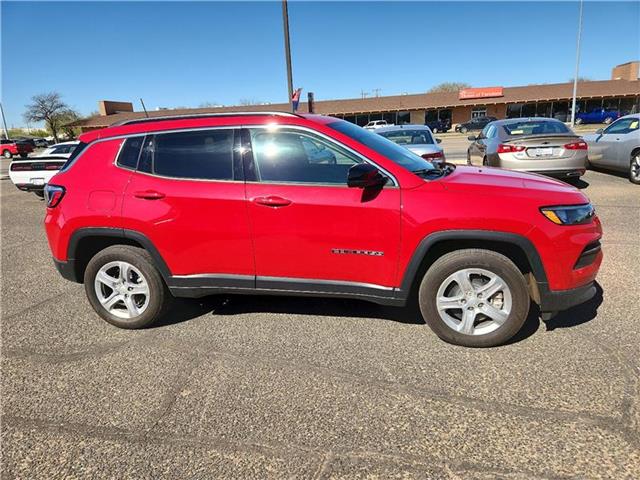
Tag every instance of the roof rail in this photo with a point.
(199, 115)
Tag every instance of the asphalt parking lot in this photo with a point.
(270, 387)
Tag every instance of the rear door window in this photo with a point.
(205, 155)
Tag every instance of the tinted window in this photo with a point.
(202, 154)
(75, 154)
(537, 127)
(624, 125)
(409, 137)
(400, 155)
(291, 156)
(130, 152)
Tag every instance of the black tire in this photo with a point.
(159, 296)
(7, 154)
(495, 263)
(634, 168)
(24, 155)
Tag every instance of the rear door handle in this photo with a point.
(272, 201)
(149, 195)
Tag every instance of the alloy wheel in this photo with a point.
(122, 290)
(634, 169)
(474, 301)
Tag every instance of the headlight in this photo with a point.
(570, 214)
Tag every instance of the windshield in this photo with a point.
(381, 145)
(535, 127)
(404, 136)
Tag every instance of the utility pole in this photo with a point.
(376, 92)
(287, 53)
(4, 122)
(575, 77)
(364, 94)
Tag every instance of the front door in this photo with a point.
(308, 226)
(188, 198)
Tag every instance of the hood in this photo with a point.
(497, 182)
(421, 149)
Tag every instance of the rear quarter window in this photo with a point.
(130, 152)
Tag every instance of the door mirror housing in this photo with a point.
(365, 175)
(600, 131)
(472, 138)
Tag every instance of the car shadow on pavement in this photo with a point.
(579, 314)
(578, 183)
(187, 309)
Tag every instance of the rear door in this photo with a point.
(308, 225)
(609, 149)
(187, 196)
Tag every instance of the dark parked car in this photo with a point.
(439, 126)
(477, 123)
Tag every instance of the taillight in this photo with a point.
(576, 146)
(433, 156)
(16, 167)
(506, 148)
(53, 195)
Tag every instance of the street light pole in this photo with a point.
(575, 77)
(4, 122)
(287, 52)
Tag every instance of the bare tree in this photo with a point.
(65, 118)
(449, 87)
(48, 108)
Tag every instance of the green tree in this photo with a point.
(448, 87)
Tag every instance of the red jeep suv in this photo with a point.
(278, 203)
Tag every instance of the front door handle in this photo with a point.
(149, 195)
(272, 201)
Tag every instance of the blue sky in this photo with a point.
(185, 54)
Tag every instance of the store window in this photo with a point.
(479, 112)
(514, 110)
(390, 117)
(404, 118)
(528, 110)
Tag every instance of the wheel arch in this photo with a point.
(517, 248)
(86, 242)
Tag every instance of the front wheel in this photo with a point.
(634, 169)
(6, 154)
(474, 298)
(125, 288)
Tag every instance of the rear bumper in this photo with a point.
(573, 166)
(28, 187)
(559, 300)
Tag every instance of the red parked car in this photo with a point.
(276, 203)
(9, 148)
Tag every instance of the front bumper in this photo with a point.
(556, 301)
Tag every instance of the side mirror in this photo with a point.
(438, 140)
(472, 138)
(599, 131)
(365, 175)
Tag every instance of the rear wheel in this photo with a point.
(125, 288)
(6, 154)
(634, 168)
(474, 298)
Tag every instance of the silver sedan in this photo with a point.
(617, 147)
(417, 138)
(541, 145)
